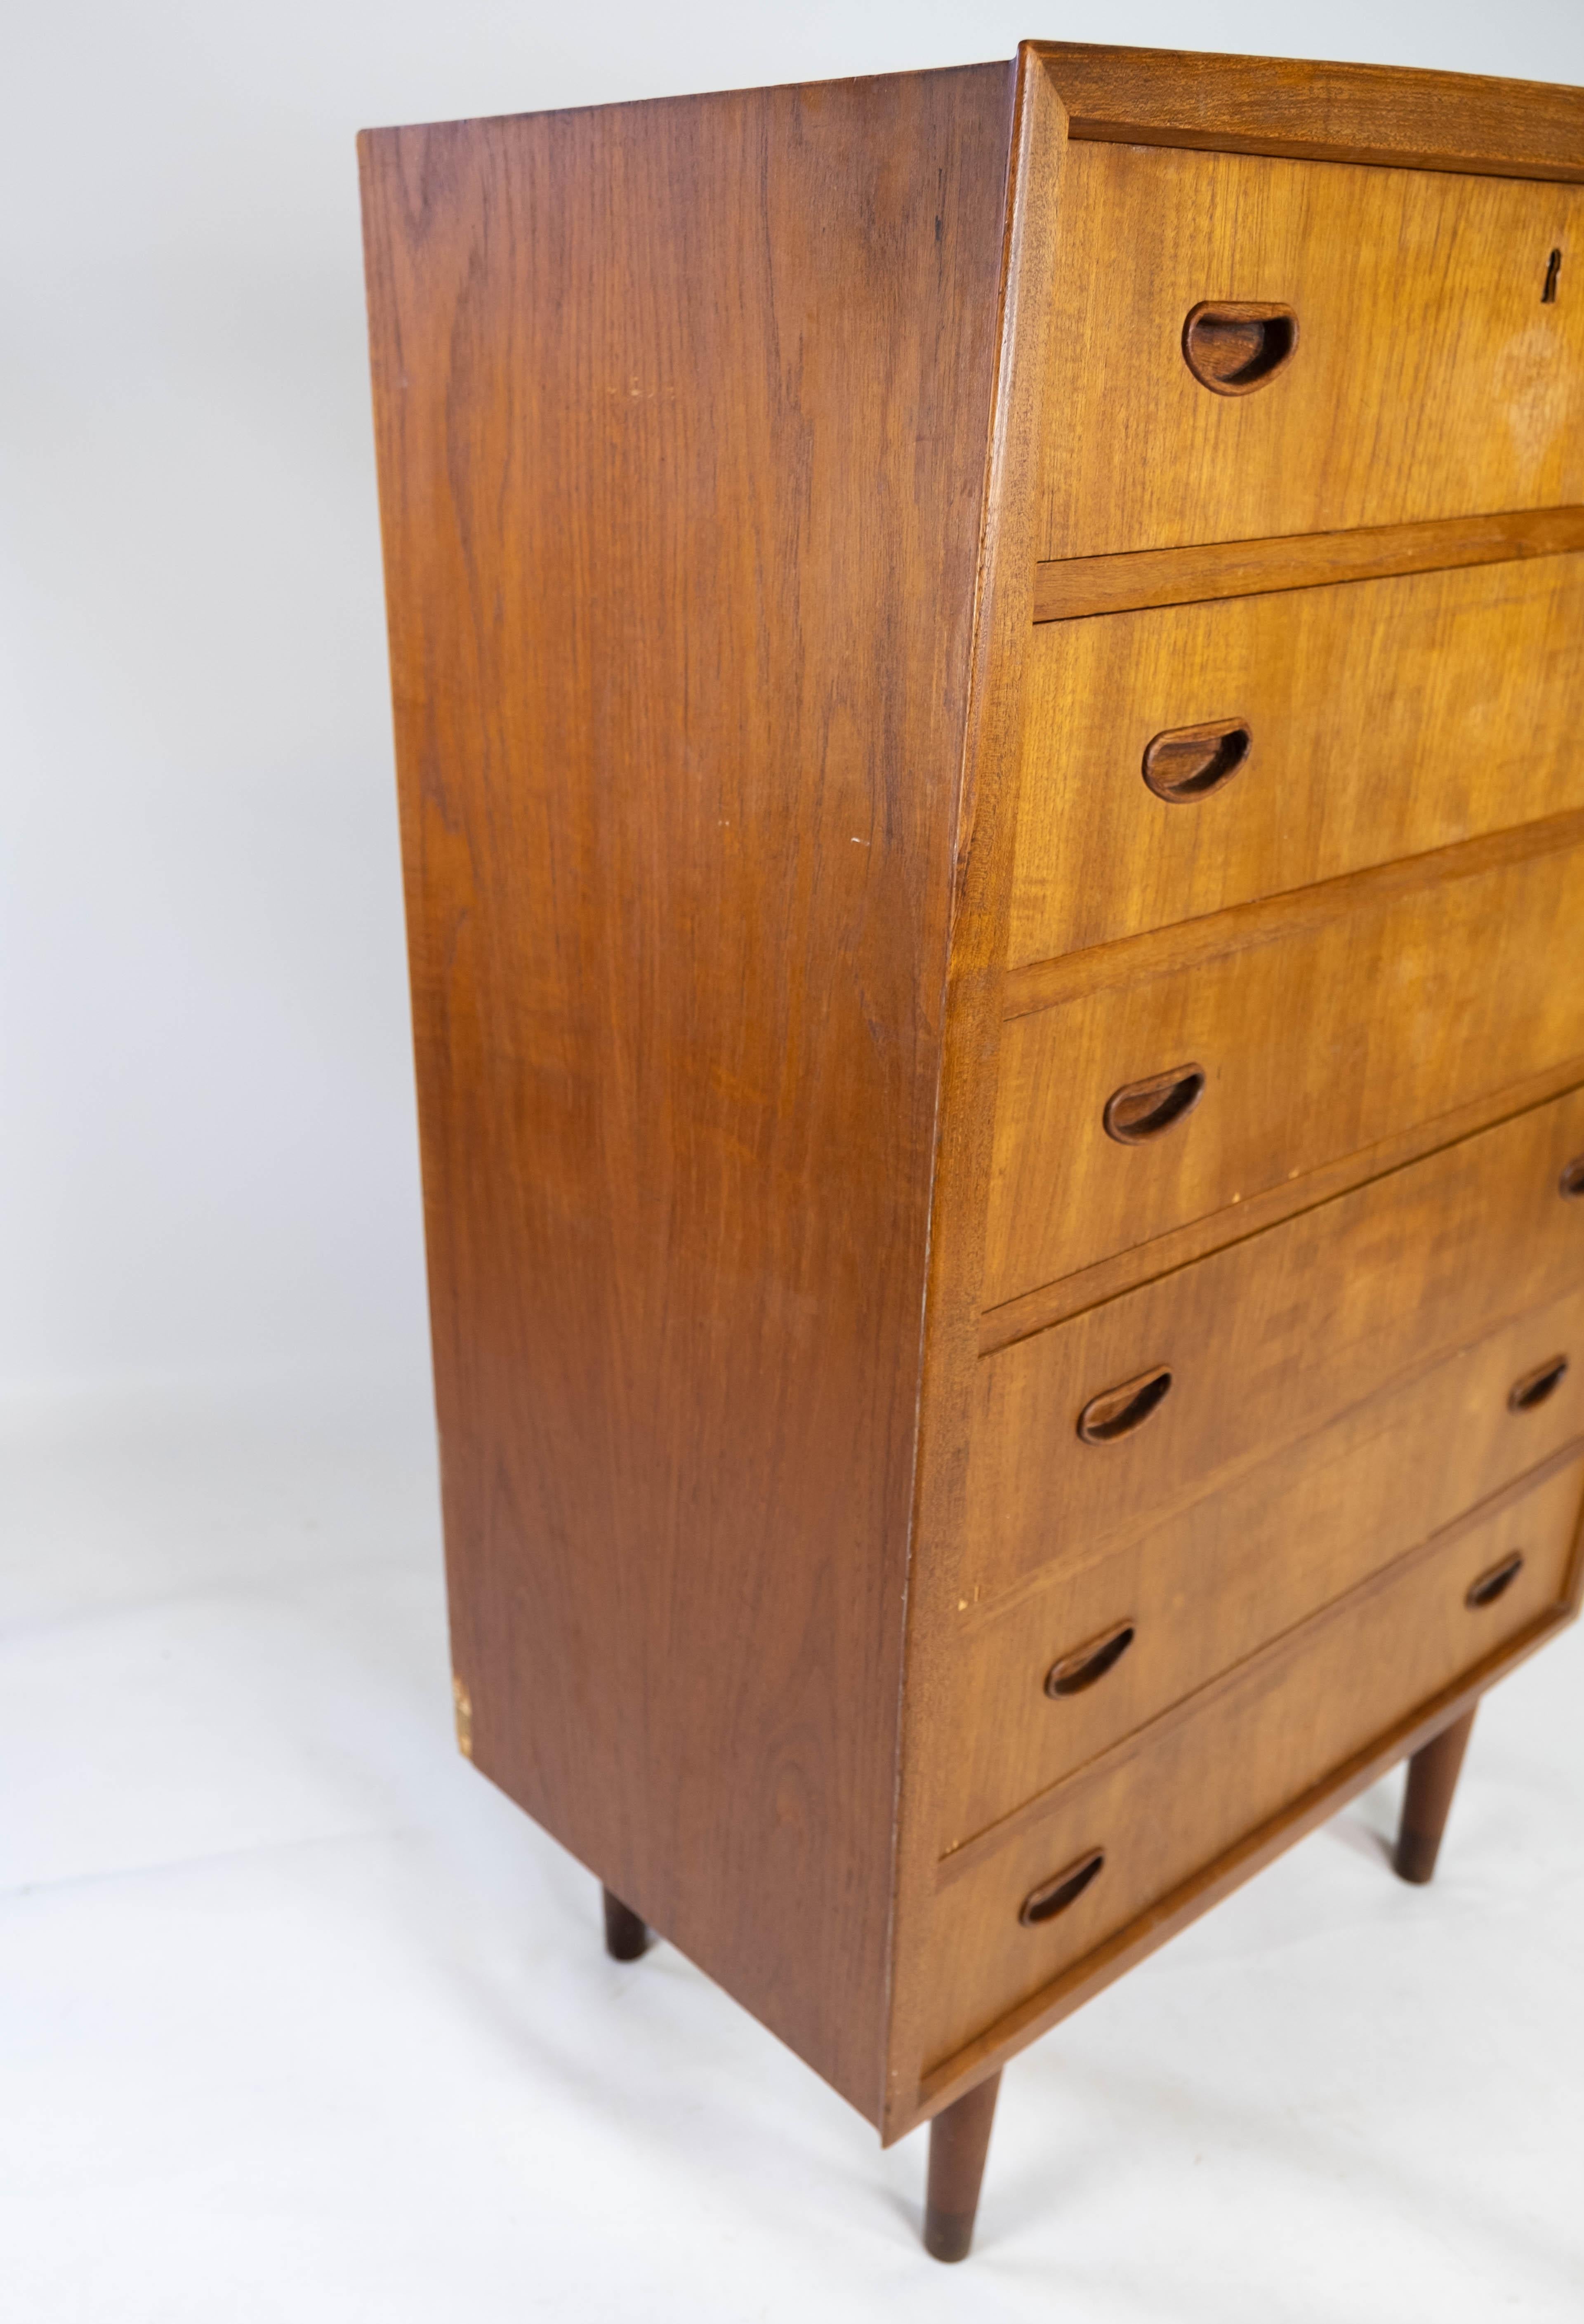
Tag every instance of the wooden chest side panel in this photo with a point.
(683, 413)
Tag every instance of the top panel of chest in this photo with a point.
(1243, 346)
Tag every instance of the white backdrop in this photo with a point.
(298, 2020)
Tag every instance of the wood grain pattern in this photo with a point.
(990, 2050)
(1387, 719)
(1221, 1579)
(1441, 1582)
(1457, 1441)
(1296, 914)
(1387, 998)
(1270, 1730)
(1377, 114)
(1072, 587)
(1125, 1270)
(710, 440)
(972, 1016)
(1270, 1339)
(684, 412)
(1025, 2022)
(1429, 380)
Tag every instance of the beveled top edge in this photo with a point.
(1390, 115)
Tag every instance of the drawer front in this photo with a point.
(1265, 1341)
(1307, 1029)
(1382, 718)
(1165, 1806)
(1429, 376)
(1137, 1627)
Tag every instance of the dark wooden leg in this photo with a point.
(1432, 1778)
(625, 1935)
(958, 2138)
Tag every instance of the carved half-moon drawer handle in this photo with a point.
(1571, 1185)
(1140, 1110)
(1527, 1394)
(1119, 1411)
(1189, 762)
(1052, 1896)
(1084, 1665)
(1232, 345)
(1490, 1586)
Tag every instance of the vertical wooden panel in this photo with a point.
(683, 417)
(973, 1029)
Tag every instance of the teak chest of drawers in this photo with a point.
(988, 696)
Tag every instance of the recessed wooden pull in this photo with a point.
(1140, 1110)
(1119, 1411)
(1189, 762)
(1571, 1185)
(1232, 345)
(1489, 1586)
(1536, 1387)
(1054, 1895)
(1084, 1665)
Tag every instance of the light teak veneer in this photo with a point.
(956, 639)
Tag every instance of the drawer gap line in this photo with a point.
(1037, 985)
(1028, 2019)
(1139, 580)
(1024, 1317)
(982, 1846)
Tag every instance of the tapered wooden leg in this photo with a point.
(625, 1935)
(1432, 1778)
(960, 2136)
